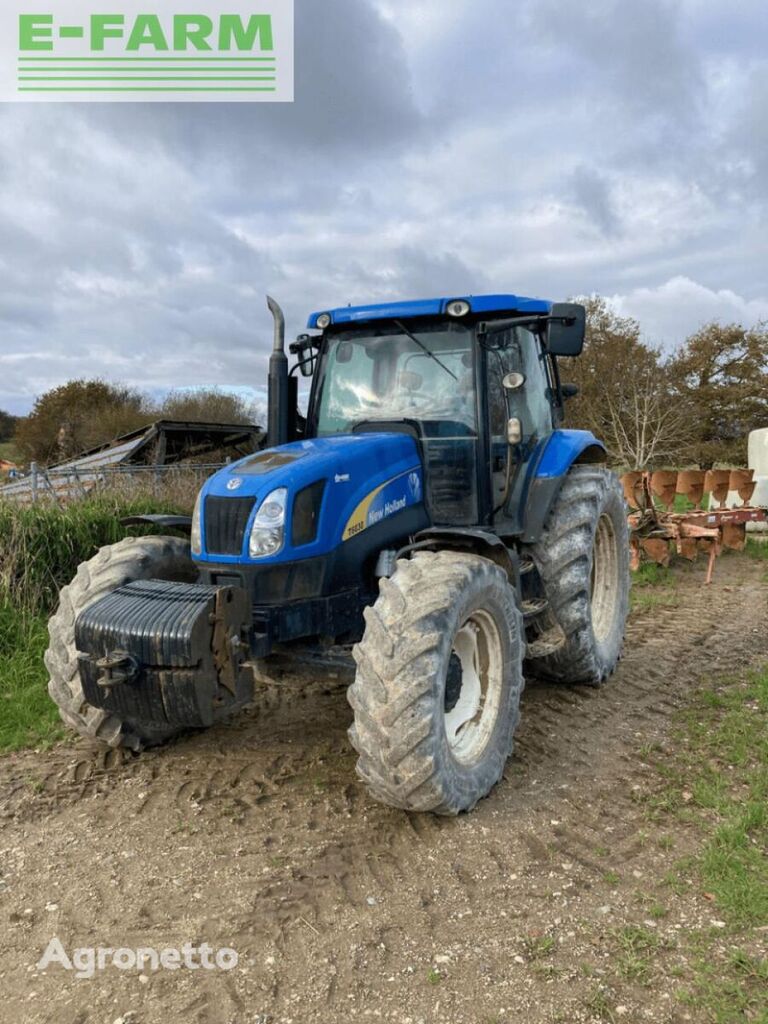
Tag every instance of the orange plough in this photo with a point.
(657, 531)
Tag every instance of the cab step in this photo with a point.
(534, 606)
(526, 565)
(546, 644)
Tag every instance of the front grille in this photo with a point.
(226, 520)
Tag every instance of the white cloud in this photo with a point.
(672, 311)
(536, 147)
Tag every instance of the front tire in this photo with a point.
(439, 678)
(136, 558)
(583, 563)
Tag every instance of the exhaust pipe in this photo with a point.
(277, 420)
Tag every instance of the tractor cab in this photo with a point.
(474, 381)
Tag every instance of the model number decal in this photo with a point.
(389, 499)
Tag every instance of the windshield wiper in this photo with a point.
(423, 347)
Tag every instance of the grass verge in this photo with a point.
(718, 786)
(653, 586)
(28, 717)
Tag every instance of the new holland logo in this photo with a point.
(235, 483)
(414, 485)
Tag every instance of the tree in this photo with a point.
(205, 405)
(721, 377)
(77, 416)
(7, 426)
(625, 396)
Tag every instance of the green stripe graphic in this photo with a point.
(139, 88)
(241, 72)
(144, 78)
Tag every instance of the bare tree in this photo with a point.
(648, 425)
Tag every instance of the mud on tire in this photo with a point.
(137, 558)
(583, 562)
(402, 709)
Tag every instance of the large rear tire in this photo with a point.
(439, 679)
(583, 563)
(137, 558)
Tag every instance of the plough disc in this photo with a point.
(634, 491)
(664, 487)
(734, 536)
(657, 549)
(717, 483)
(690, 483)
(743, 482)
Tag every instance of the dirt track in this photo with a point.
(256, 836)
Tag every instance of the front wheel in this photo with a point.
(439, 678)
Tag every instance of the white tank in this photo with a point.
(758, 451)
(758, 460)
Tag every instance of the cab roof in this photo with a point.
(433, 307)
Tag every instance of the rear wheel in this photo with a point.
(439, 677)
(137, 558)
(583, 563)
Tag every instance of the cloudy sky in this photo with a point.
(545, 147)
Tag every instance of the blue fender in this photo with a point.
(564, 447)
(549, 465)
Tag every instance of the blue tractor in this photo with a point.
(428, 515)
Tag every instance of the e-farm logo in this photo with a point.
(147, 50)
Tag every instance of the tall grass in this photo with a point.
(41, 547)
(28, 717)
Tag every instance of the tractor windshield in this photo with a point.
(394, 372)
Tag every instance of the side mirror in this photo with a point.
(566, 329)
(303, 348)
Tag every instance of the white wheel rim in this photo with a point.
(605, 579)
(470, 723)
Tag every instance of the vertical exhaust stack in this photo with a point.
(277, 425)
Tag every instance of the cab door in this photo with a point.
(516, 351)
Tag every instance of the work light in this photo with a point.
(458, 308)
(323, 321)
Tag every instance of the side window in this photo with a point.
(522, 354)
(500, 363)
(538, 417)
(349, 390)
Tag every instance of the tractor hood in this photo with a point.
(337, 488)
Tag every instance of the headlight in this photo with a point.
(196, 536)
(268, 533)
(323, 321)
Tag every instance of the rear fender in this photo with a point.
(562, 450)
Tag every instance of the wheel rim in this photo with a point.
(604, 588)
(470, 722)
